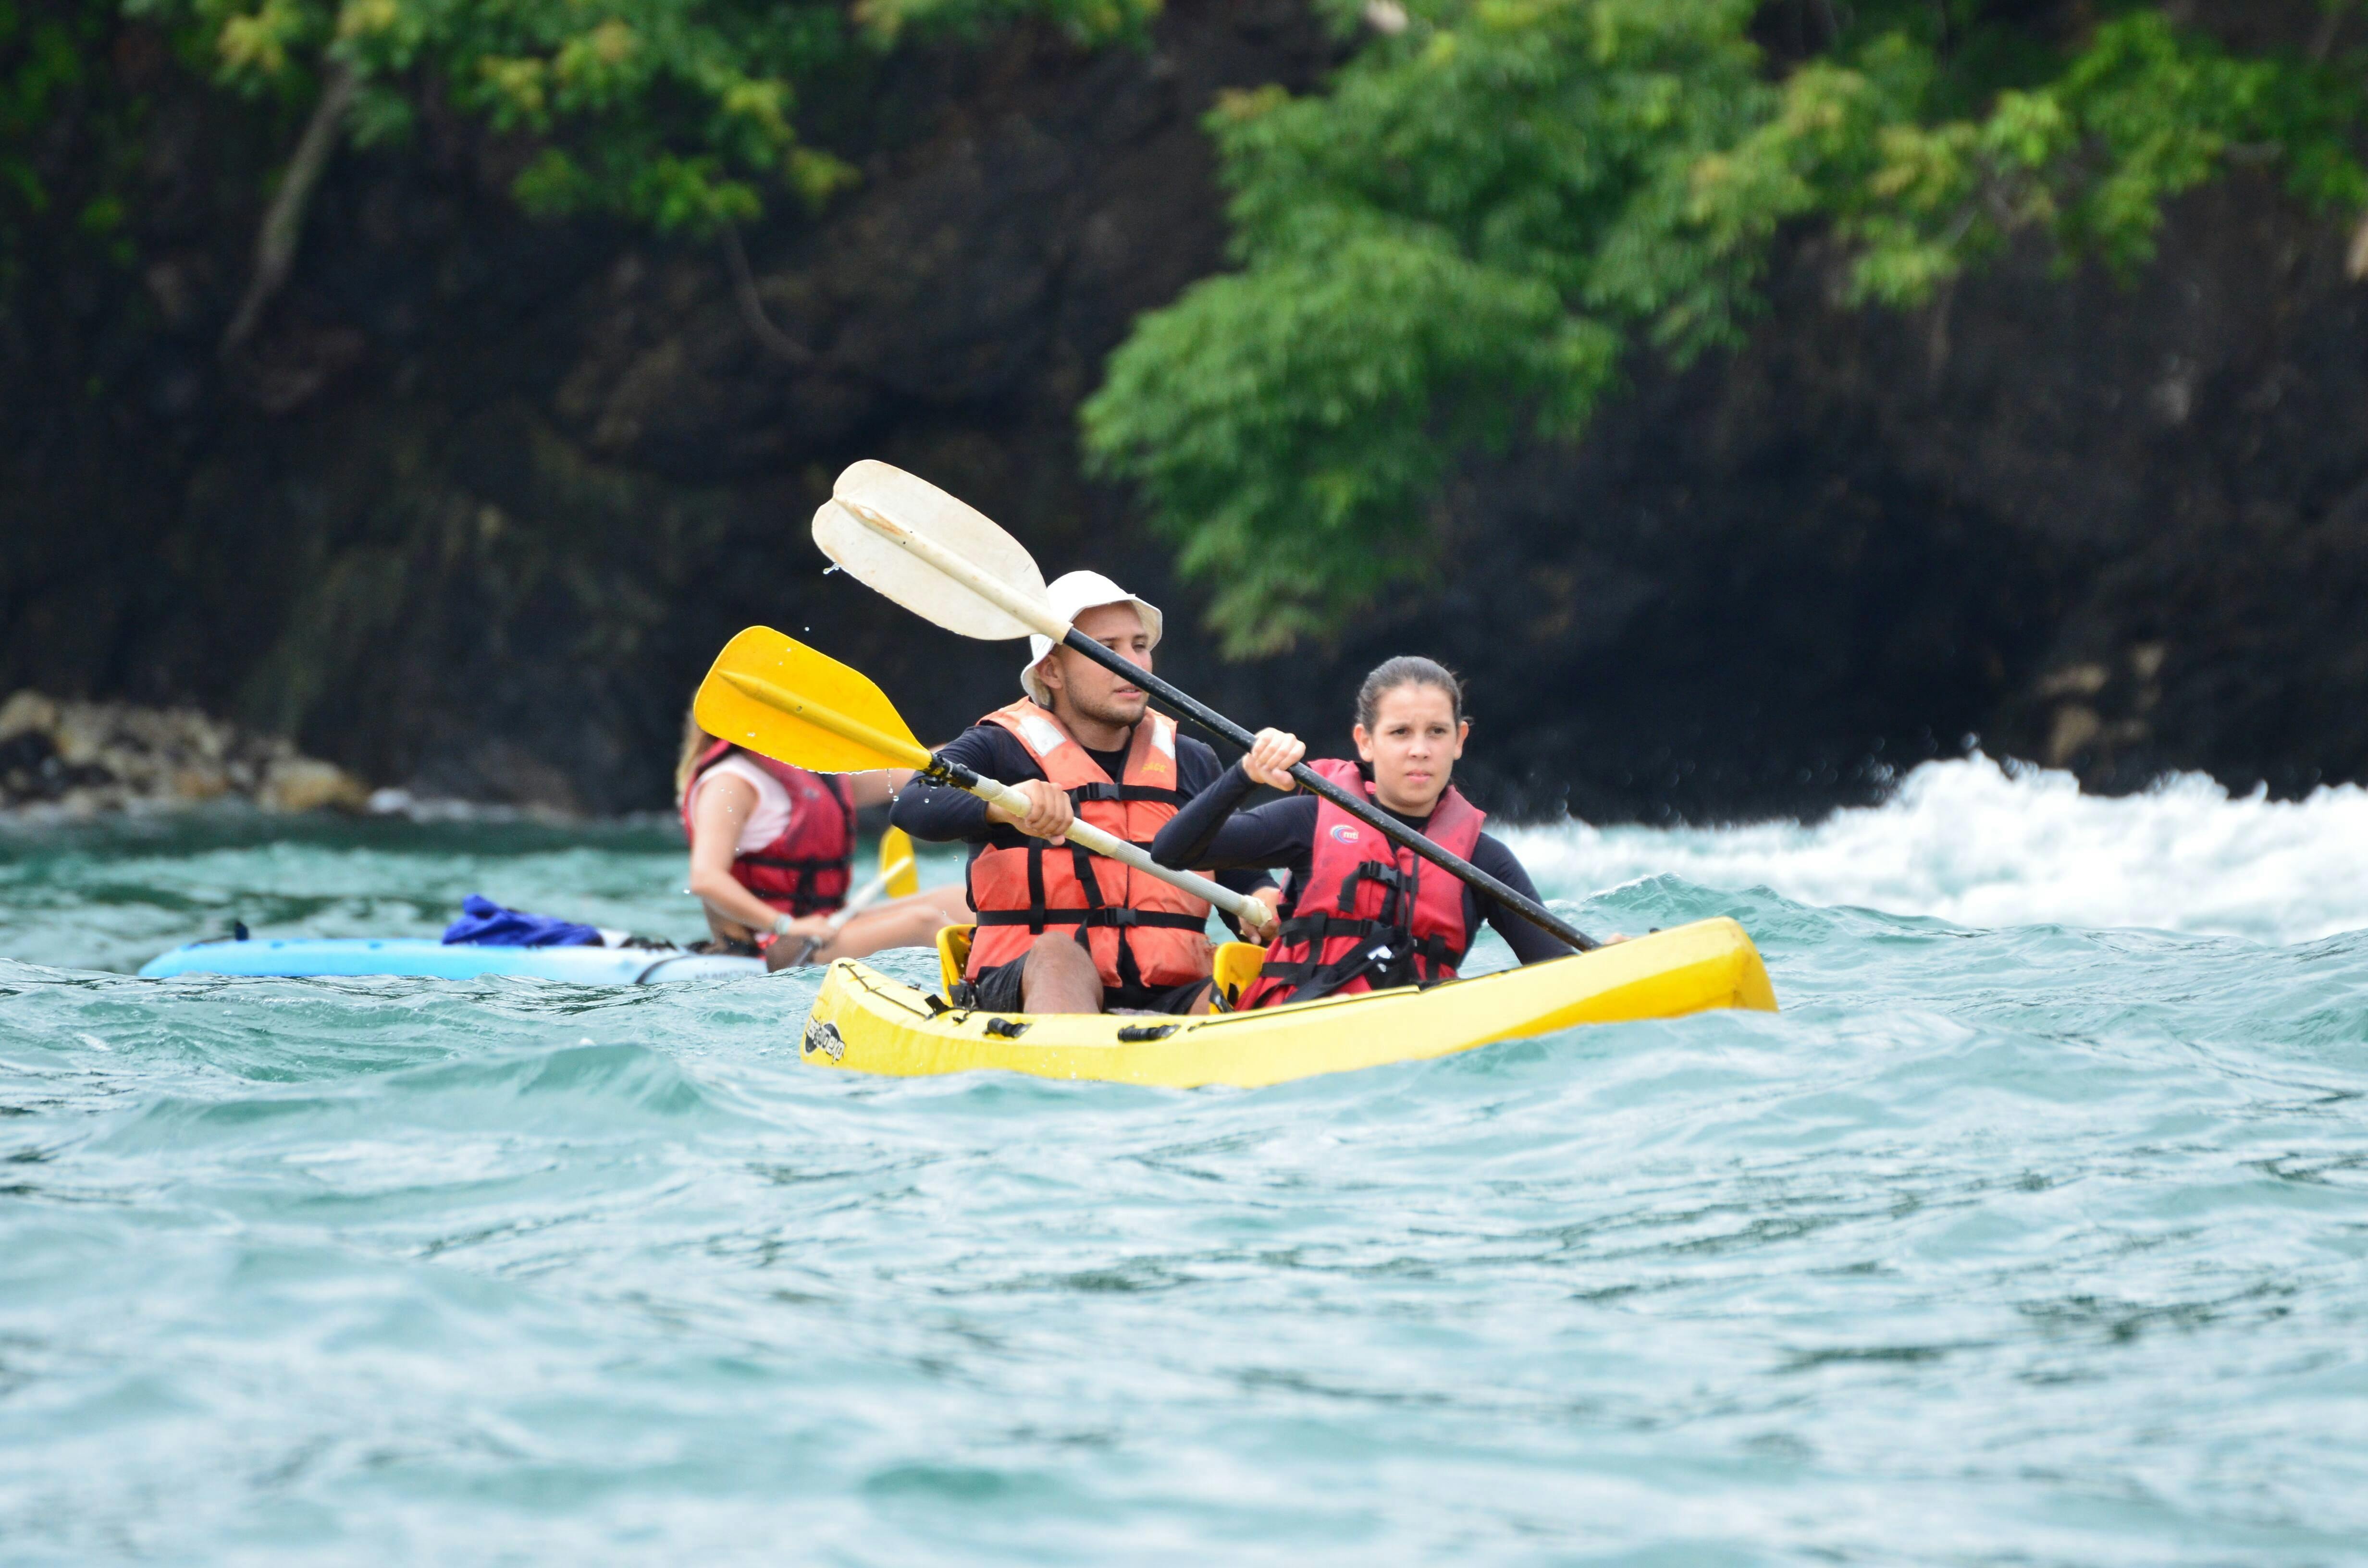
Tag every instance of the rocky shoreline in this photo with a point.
(76, 759)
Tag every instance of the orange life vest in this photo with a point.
(807, 868)
(1370, 915)
(1140, 930)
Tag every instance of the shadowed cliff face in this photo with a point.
(491, 492)
(2115, 529)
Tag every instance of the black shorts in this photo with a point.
(997, 990)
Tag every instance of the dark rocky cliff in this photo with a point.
(489, 494)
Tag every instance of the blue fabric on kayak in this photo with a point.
(487, 924)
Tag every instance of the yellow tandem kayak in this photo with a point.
(865, 1022)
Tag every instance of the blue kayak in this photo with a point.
(428, 959)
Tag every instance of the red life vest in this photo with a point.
(807, 868)
(1369, 914)
(1140, 930)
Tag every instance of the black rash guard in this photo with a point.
(1281, 833)
(941, 814)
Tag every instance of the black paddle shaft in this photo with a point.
(1357, 806)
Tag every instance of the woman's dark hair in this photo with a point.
(1406, 669)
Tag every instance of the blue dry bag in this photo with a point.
(487, 924)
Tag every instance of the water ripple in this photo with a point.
(2013, 1243)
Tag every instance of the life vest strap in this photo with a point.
(1310, 980)
(1386, 950)
(784, 863)
(1314, 930)
(1106, 915)
(1084, 793)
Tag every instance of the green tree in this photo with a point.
(1496, 201)
(49, 78)
(679, 114)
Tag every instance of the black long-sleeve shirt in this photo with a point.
(1281, 835)
(942, 814)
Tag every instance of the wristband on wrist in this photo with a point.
(781, 925)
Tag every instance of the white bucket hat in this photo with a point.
(1071, 594)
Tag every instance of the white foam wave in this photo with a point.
(1975, 844)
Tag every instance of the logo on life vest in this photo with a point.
(1344, 832)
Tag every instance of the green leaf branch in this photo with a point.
(1493, 202)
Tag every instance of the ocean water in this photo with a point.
(2034, 1230)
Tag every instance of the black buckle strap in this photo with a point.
(1315, 980)
(1318, 928)
(1385, 953)
(1106, 792)
(1104, 914)
(1035, 890)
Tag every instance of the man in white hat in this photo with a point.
(1083, 742)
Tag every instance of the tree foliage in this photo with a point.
(1461, 239)
(681, 114)
(48, 56)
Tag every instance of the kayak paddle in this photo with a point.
(772, 694)
(895, 866)
(948, 563)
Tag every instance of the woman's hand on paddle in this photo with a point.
(1261, 921)
(1049, 814)
(1272, 756)
(789, 946)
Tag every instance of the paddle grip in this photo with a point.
(995, 793)
(1357, 806)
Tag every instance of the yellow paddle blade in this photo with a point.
(896, 860)
(778, 696)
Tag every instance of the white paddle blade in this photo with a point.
(970, 550)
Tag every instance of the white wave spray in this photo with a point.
(1974, 844)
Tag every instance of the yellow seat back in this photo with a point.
(953, 953)
(1237, 966)
(896, 857)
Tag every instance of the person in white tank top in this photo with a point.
(736, 808)
(768, 818)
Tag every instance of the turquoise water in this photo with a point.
(2031, 1241)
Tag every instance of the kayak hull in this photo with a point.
(864, 1022)
(425, 958)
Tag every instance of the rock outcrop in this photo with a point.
(78, 759)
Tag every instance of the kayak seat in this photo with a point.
(1237, 966)
(953, 953)
(1237, 963)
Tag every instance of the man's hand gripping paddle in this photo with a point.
(775, 695)
(949, 563)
